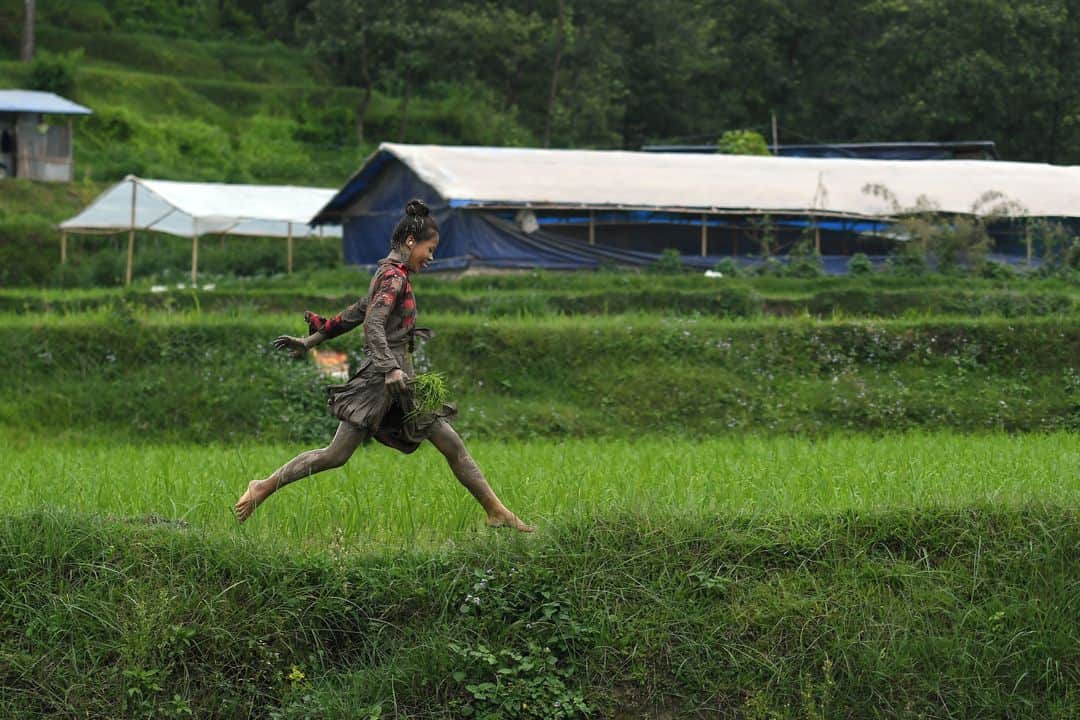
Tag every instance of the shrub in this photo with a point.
(771, 267)
(1072, 256)
(963, 243)
(742, 142)
(860, 264)
(55, 73)
(996, 270)
(89, 17)
(670, 261)
(804, 261)
(728, 267)
(28, 250)
(907, 261)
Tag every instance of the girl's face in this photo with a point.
(421, 253)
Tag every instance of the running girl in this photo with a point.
(377, 402)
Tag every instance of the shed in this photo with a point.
(30, 146)
(525, 208)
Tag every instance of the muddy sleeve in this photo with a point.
(383, 300)
(349, 318)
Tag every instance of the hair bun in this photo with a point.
(417, 208)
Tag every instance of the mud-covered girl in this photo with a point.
(377, 401)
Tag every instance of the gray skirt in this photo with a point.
(366, 404)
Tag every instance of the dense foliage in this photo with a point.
(589, 73)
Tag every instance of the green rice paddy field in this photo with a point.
(384, 500)
(804, 518)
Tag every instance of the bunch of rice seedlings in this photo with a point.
(430, 391)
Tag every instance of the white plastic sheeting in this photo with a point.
(517, 177)
(192, 209)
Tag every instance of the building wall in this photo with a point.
(43, 156)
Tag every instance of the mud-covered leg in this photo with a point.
(468, 473)
(346, 440)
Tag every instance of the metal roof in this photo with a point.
(37, 101)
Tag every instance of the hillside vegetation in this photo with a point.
(299, 91)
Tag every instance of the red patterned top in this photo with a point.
(388, 313)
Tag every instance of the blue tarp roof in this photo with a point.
(36, 101)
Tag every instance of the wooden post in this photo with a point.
(63, 246)
(592, 227)
(817, 237)
(131, 238)
(194, 258)
(704, 234)
(288, 263)
(1027, 237)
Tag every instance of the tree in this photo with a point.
(26, 53)
(742, 142)
(354, 37)
(559, 38)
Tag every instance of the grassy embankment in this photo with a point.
(206, 377)
(539, 294)
(912, 613)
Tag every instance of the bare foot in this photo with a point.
(510, 520)
(250, 500)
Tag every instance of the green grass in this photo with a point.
(592, 295)
(382, 498)
(212, 376)
(910, 614)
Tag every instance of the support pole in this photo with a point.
(704, 234)
(288, 263)
(1027, 237)
(817, 237)
(63, 246)
(131, 238)
(592, 227)
(194, 258)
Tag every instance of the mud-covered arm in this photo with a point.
(382, 304)
(349, 318)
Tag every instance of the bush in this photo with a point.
(742, 142)
(1072, 256)
(770, 267)
(860, 264)
(907, 261)
(804, 261)
(29, 250)
(670, 261)
(89, 17)
(55, 73)
(728, 267)
(996, 271)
